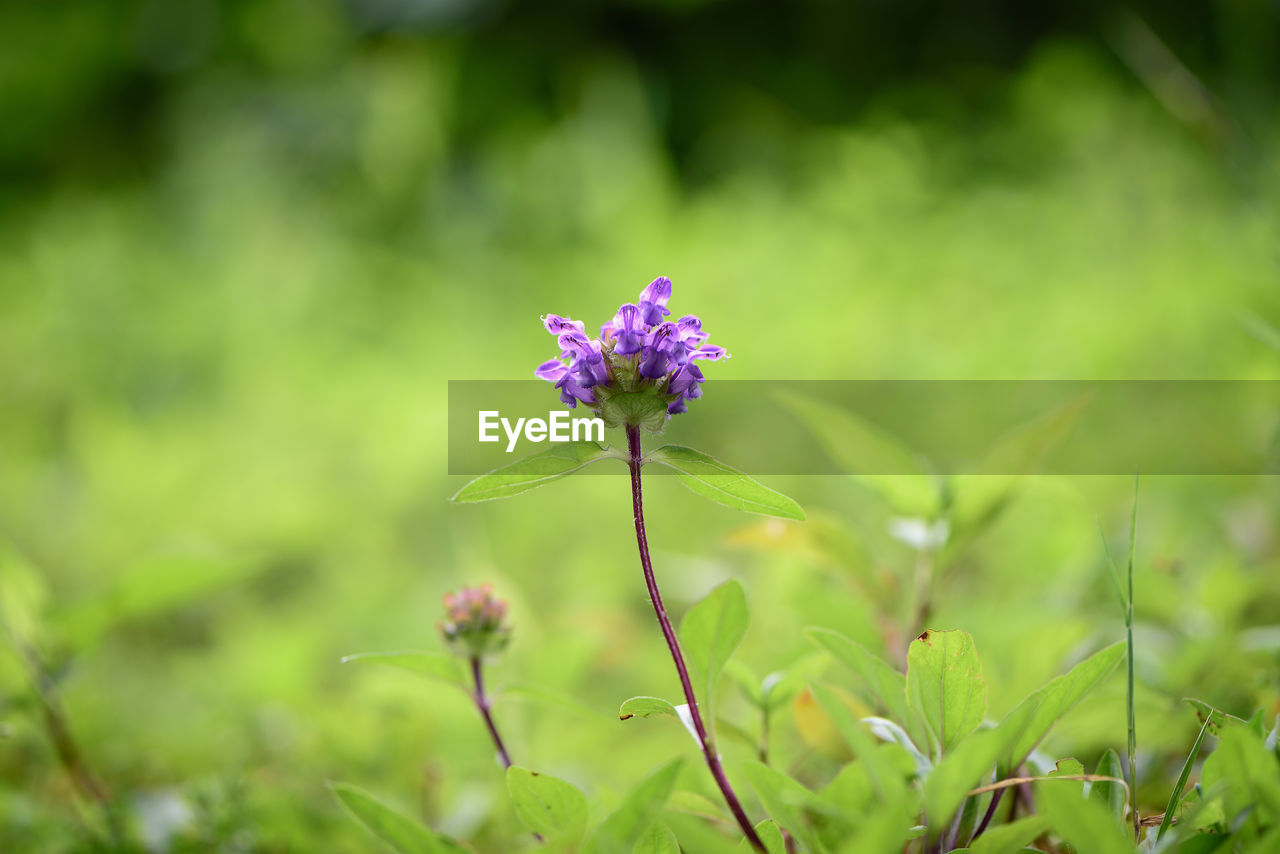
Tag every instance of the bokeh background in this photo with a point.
(244, 245)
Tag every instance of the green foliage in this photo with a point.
(710, 632)
(1109, 794)
(712, 479)
(547, 805)
(1010, 838)
(240, 256)
(646, 707)
(1032, 719)
(533, 471)
(1175, 799)
(1081, 823)
(403, 834)
(657, 839)
(625, 825)
(883, 684)
(945, 686)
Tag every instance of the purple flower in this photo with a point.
(653, 301)
(640, 370)
(627, 330)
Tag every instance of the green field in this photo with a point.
(235, 280)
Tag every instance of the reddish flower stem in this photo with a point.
(634, 462)
(482, 703)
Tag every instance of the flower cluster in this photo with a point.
(641, 370)
(473, 623)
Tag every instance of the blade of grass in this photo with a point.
(1126, 605)
(1172, 806)
(1128, 622)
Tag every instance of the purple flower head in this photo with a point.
(641, 370)
(475, 622)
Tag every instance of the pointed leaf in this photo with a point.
(712, 479)
(771, 835)
(533, 471)
(945, 685)
(1032, 719)
(968, 765)
(399, 831)
(883, 775)
(623, 828)
(881, 682)
(1110, 795)
(547, 805)
(711, 631)
(1083, 824)
(1010, 838)
(786, 800)
(657, 839)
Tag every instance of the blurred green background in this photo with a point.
(244, 245)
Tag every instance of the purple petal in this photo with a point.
(654, 363)
(710, 352)
(657, 292)
(676, 407)
(653, 301)
(691, 330)
(555, 324)
(628, 330)
(551, 371)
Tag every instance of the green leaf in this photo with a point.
(712, 479)
(1216, 718)
(399, 831)
(1032, 719)
(620, 831)
(876, 457)
(746, 680)
(1110, 795)
(1010, 838)
(692, 803)
(945, 685)
(646, 707)
(884, 684)
(547, 805)
(883, 775)
(657, 839)
(886, 828)
(1249, 772)
(771, 835)
(711, 631)
(533, 471)
(1175, 798)
(433, 665)
(1082, 824)
(959, 771)
(1069, 767)
(786, 800)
